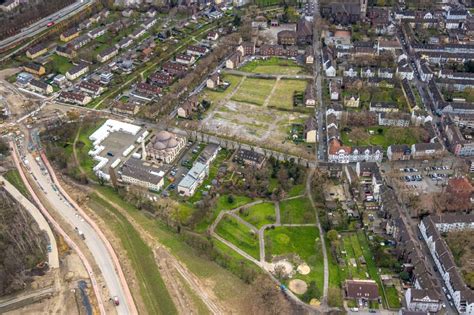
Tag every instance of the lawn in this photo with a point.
(382, 136)
(221, 205)
(254, 91)
(272, 65)
(282, 97)
(152, 288)
(59, 64)
(216, 96)
(297, 211)
(84, 145)
(302, 241)
(240, 235)
(259, 215)
(13, 176)
(296, 190)
(392, 297)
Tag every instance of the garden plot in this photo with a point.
(254, 91)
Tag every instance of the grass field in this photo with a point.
(84, 145)
(272, 65)
(392, 297)
(13, 176)
(59, 64)
(216, 96)
(152, 288)
(254, 91)
(302, 241)
(260, 214)
(381, 136)
(283, 95)
(296, 190)
(297, 211)
(240, 235)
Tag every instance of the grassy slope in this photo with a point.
(296, 211)
(259, 214)
(14, 178)
(238, 234)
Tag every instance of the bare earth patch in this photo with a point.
(303, 269)
(298, 286)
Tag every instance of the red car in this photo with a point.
(50, 24)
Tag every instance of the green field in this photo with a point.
(13, 176)
(240, 235)
(392, 297)
(59, 64)
(302, 241)
(152, 288)
(272, 65)
(259, 215)
(297, 211)
(216, 96)
(254, 91)
(84, 145)
(282, 97)
(381, 136)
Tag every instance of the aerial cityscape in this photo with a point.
(237, 157)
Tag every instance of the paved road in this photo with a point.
(40, 25)
(92, 239)
(53, 258)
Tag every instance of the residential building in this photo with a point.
(405, 70)
(97, 32)
(24, 78)
(40, 87)
(286, 37)
(9, 5)
(250, 158)
(196, 50)
(385, 73)
(162, 79)
(397, 152)
(34, 68)
(66, 52)
(196, 175)
(423, 151)
(212, 36)
(309, 55)
(184, 59)
(352, 101)
(304, 32)
(149, 23)
(137, 172)
(214, 81)
(107, 54)
(124, 43)
(423, 300)
(128, 108)
(334, 91)
(69, 34)
(139, 32)
(367, 72)
(36, 51)
(76, 71)
(165, 146)
(247, 48)
(311, 130)
(351, 72)
(79, 42)
(75, 98)
(394, 119)
(90, 88)
(188, 108)
(234, 61)
(361, 290)
(148, 89)
(309, 97)
(458, 144)
(174, 68)
(383, 107)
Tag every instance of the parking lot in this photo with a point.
(425, 180)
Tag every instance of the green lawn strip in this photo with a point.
(380, 137)
(336, 274)
(153, 290)
(222, 204)
(302, 241)
(240, 235)
(227, 285)
(283, 95)
(392, 297)
(273, 65)
(13, 176)
(296, 211)
(296, 190)
(59, 64)
(84, 145)
(260, 214)
(254, 91)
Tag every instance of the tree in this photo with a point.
(230, 199)
(405, 276)
(313, 292)
(332, 235)
(266, 298)
(4, 149)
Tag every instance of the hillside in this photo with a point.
(22, 245)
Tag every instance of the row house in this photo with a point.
(79, 42)
(69, 34)
(383, 107)
(388, 45)
(458, 144)
(398, 152)
(425, 72)
(278, 50)
(129, 108)
(367, 72)
(452, 48)
(149, 23)
(286, 37)
(148, 89)
(247, 49)
(430, 228)
(161, 79)
(174, 68)
(456, 108)
(90, 88)
(212, 36)
(424, 151)
(458, 85)
(75, 98)
(338, 153)
(385, 73)
(189, 107)
(34, 68)
(234, 60)
(394, 119)
(36, 51)
(40, 87)
(196, 50)
(107, 54)
(309, 96)
(66, 52)
(139, 32)
(77, 71)
(184, 59)
(442, 57)
(351, 72)
(448, 74)
(97, 32)
(334, 90)
(405, 70)
(124, 43)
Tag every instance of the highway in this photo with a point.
(95, 244)
(53, 258)
(40, 25)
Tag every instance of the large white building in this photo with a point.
(196, 175)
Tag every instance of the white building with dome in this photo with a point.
(165, 146)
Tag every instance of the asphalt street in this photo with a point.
(92, 239)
